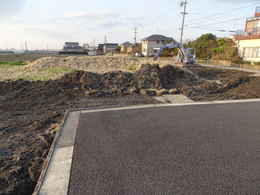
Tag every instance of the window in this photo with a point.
(258, 52)
(158, 42)
(252, 52)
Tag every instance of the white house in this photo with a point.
(248, 42)
(152, 44)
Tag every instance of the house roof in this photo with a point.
(158, 38)
(126, 43)
(110, 44)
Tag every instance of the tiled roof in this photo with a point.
(158, 38)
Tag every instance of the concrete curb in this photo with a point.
(170, 105)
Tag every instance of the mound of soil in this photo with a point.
(98, 64)
(31, 114)
(238, 87)
(147, 77)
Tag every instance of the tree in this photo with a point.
(209, 46)
(226, 49)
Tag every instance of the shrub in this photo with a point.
(257, 63)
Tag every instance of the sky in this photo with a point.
(49, 23)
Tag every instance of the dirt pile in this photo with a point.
(31, 113)
(147, 77)
(99, 64)
(238, 87)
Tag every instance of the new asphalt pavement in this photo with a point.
(175, 150)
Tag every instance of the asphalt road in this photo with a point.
(188, 150)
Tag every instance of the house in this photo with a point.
(152, 44)
(110, 47)
(92, 51)
(125, 46)
(248, 42)
(107, 48)
(135, 49)
(73, 48)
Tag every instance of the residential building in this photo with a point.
(107, 48)
(135, 49)
(92, 51)
(125, 46)
(110, 47)
(152, 45)
(248, 42)
(73, 48)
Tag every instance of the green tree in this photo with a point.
(209, 46)
(226, 49)
(204, 45)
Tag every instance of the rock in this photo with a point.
(148, 77)
(133, 90)
(174, 91)
(148, 92)
(162, 92)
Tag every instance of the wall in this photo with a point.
(243, 44)
(148, 47)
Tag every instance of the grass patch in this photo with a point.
(133, 68)
(15, 63)
(44, 74)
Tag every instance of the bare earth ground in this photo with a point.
(31, 111)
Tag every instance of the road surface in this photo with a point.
(183, 150)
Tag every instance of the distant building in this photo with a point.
(86, 46)
(92, 51)
(107, 48)
(110, 47)
(248, 42)
(4, 52)
(100, 49)
(73, 48)
(135, 49)
(151, 45)
(124, 47)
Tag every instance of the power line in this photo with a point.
(218, 15)
(220, 22)
(217, 30)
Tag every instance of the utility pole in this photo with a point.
(25, 46)
(105, 41)
(135, 35)
(184, 13)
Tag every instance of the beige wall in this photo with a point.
(148, 46)
(247, 47)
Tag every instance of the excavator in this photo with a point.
(186, 56)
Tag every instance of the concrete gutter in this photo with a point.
(48, 159)
(54, 178)
(173, 99)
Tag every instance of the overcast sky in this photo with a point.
(49, 23)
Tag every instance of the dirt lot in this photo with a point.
(223, 85)
(32, 110)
